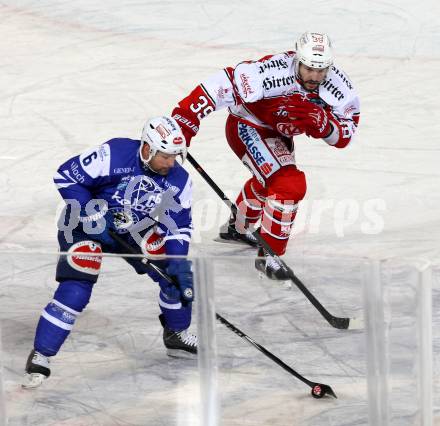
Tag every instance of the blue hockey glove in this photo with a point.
(180, 270)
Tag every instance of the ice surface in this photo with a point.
(75, 74)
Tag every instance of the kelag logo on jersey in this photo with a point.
(141, 194)
(144, 203)
(245, 85)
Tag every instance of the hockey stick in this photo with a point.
(318, 389)
(336, 322)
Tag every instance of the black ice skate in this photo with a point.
(270, 266)
(179, 344)
(229, 234)
(37, 370)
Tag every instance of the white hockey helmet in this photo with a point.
(314, 50)
(163, 134)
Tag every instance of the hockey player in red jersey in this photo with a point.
(271, 101)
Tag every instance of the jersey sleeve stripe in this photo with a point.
(208, 94)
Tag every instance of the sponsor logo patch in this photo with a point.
(186, 122)
(124, 219)
(188, 293)
(273, 82)
(343, 77)
(163, 132)
(123, 183)
(288, 129)
(103, 152)
(81, 260)
(245, 85)
(266, 168)
(123, 170)
(153, 244)
(257, 149)
(253, 142)
(333, 89)
(68, 318)
(281, 152)
(277, 64)
(222, 92)
(75, 171)
(349, 111)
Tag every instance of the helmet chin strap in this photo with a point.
(297, 74)
(147, 167)
(146, 161)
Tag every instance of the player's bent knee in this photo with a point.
(289, 183)
(73, 294)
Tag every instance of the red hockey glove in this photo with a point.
(188, 122)
(310, 117)
(296, 99)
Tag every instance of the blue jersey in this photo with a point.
(114, 175)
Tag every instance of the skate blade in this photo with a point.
(180, 353)
(241, 243)
(33, 380)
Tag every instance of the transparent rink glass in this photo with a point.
(113, 369)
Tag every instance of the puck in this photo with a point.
(317, 392)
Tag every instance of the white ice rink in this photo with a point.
(76, 73)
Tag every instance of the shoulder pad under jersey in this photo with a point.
(96, 161)
(337, 89)
(179, 181)
(248, 82)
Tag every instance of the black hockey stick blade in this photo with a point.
(319, 390)
(336, 322)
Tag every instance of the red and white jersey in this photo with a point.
(255, 91)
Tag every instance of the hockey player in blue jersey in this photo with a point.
(137, 189)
